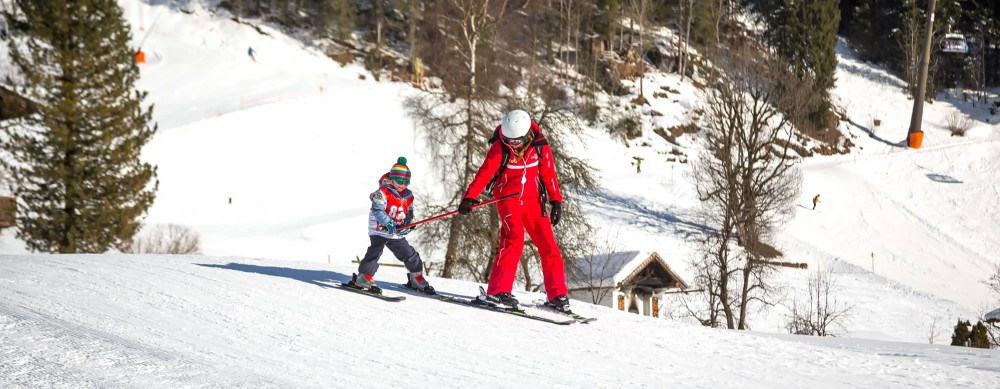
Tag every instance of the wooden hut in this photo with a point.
(629, 281)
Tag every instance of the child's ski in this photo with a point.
(375, 295)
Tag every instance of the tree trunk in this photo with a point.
(525, 269)
(378, 38)
(451, 252)
(687, 38)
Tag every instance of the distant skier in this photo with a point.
(392, 206)
(520, 162)
(252, 54)
(815, 201)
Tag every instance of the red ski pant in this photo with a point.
(516, 217)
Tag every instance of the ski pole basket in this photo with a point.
(8, 212)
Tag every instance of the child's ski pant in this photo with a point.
(399, 247)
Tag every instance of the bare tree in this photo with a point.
(909, 41)
(821, 314)
(414, 10)
(456, 121)
(570, 13)
(455, 141)
(725, 11)
(993, 330)
(640, 14)
(376, 56)
(706, 308)
(168, 239)
(934, 331)
(994, 284)
(687, 10)
(556, 114)
(596, 271)
(746, 179)
(994, 281)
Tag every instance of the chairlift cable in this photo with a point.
(149, 30)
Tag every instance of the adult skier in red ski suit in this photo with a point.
(529, 172)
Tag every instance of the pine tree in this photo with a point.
(85, 189)
(979, 337)
(873, 26)
(805, 34)
(961, 335)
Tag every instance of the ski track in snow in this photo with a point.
(287, 140)
(163, 321)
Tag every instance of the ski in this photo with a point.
(496, 308)
(472, 302)
(405, 286)
(539, 304)
(375, 295)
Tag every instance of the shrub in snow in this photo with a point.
(169, 239)
(958, 124)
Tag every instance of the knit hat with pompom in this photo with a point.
(399, 170)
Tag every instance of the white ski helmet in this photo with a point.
(515, 124)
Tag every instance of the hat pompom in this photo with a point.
(401, 161)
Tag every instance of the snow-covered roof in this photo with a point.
(993, 316)
(612, 269)
(601, 269)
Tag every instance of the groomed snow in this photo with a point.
(271, 162)
(72, 321)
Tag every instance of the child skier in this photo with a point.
(392, 206)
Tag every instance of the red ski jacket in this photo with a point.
(523, 174)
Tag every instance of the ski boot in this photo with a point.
(365, 282)
(417, 282)
(502, 299)
(560, 303)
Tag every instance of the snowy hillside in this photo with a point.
(73, 321)
(271, 163)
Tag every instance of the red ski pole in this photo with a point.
(454, 212)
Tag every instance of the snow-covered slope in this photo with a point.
(197, 63)
(73, 321)
(928, 216)
(274, 160)
(908, 233)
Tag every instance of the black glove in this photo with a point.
(556, 212)
(466, 206)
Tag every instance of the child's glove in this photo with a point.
(405, 231)
(390, 227)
